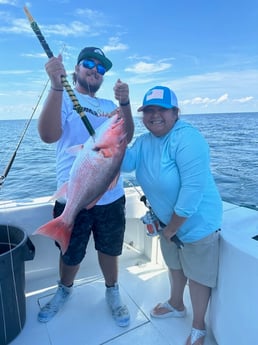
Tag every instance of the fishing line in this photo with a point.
(130, 183)
(13, 277)
(2, 179)
(3, 313)
(9, 165)
(14, 287)
(143, 198)
(7, 169)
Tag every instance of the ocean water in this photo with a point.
(232, 138)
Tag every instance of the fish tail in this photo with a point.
(58, 231)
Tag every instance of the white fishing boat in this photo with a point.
(232, 317)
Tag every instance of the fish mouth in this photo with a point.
(119, 121)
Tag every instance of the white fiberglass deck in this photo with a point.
(86, 319)
(144, 282)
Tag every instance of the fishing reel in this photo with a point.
(150, 220)
(2, 178)
(152, 223)
(153, 226)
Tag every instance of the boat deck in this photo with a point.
(144, 282)
(86, 318)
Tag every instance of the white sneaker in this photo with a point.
(119, 311)
(61, 296)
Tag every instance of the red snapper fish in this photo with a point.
(94, 171)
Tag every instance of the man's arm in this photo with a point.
(50, 123)
(121, 91)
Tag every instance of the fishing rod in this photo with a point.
(153, 224)
(9, 165)
(78, 108)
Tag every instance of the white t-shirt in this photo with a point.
(75, 133)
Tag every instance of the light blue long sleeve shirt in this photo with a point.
(174, 173)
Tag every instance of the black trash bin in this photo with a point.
(15, 248)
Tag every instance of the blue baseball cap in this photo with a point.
(161, 96)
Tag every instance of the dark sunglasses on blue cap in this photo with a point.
(91, 64)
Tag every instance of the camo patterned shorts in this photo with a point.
(105, 222)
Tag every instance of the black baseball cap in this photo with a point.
(95, 53)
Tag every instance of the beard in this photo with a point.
(89, 87)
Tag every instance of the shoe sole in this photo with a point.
(122, 324)
(167, 315)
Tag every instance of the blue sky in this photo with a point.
(206, 51)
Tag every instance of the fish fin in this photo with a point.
(111, 151)
(58, 231)
(107, 152)
(73, 150)
(93, 203)
(61, 192)
(104, 150)
(111, 186)
(114, 182)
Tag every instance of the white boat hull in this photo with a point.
(232, 316)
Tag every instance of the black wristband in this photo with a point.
(125, 104)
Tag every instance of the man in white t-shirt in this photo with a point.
(59, 123)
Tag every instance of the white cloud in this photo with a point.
(35, 55)
(75, 28)
(114, 44)
(205, 100)
(18, 72)
(19, 26)
(8, 2)
(198, 100)
(89, 13)
(144, 67)
(222, 98)
(244, 99)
